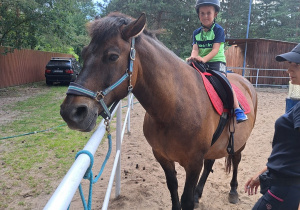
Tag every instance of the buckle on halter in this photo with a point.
(99, 96)
(130, 88)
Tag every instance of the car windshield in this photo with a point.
(62, 63)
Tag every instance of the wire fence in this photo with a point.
(264, 77)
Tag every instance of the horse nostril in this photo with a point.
(79, 113)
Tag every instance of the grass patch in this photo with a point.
(43, 148)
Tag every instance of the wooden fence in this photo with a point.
(261, 55)
(24, 66)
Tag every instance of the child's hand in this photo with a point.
(196, 58)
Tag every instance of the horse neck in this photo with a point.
(164, 80)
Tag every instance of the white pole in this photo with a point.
(132, 101)
(118, 147)
(247, 35)
(110, 183)
(64, 193)
(257, 73)
(129, 104)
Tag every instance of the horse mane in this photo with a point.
(102, 29)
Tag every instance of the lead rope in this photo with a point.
(77, 89)
(89, 174)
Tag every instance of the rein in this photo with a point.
(79, 90)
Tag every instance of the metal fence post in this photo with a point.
(132, 102)
(257, 73)
(128, 104)
(118, 147)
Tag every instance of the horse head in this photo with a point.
(108, 73)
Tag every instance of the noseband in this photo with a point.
(79, 90)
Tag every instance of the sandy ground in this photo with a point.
(143, 184)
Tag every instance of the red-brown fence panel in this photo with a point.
(24, 66)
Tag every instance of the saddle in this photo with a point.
(220, 93)
(219, 82)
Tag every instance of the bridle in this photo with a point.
(79, 90)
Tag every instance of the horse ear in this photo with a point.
(134, 28)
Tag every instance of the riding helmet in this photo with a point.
(215, 3)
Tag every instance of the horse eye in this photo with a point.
(113, 57)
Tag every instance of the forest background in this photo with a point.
(60, 25)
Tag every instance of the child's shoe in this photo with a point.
(240, 115)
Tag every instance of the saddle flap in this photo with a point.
(223, 88)
(221, 97)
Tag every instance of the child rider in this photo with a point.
(208, 44)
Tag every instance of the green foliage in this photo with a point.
(270, 19)
(234, 17)
(177, 18)
(57, 26)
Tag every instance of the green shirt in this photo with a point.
(206, 39)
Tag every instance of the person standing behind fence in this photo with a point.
(280, 179)
(208, 44)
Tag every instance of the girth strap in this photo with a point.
(222, 123)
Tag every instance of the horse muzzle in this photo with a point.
(79, 117)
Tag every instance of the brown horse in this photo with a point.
(180, 120)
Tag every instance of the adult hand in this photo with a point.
(252, 184)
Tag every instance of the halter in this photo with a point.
(79, 90)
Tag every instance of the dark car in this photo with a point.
(63, 70)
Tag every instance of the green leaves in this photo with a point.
(59, 25)
(270, 19)
(177, 18)
(45, 25)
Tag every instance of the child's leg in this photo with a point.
(239, 113)
(235, 101)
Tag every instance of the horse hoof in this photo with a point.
(233, 197)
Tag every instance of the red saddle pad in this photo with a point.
(216, 100)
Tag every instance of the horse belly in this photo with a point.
(174, 144)
(218, 150)
(241, 135)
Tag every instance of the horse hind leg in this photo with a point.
(208, 164)
(172, 183)
(233, 196)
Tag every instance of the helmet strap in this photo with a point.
(209, 28)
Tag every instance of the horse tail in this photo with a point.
(228, 163)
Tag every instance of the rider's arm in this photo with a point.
(195, 51)
(213, 52)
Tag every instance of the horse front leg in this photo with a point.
(192, 176)
(172, 183)
(233, 196)
(208, 164)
